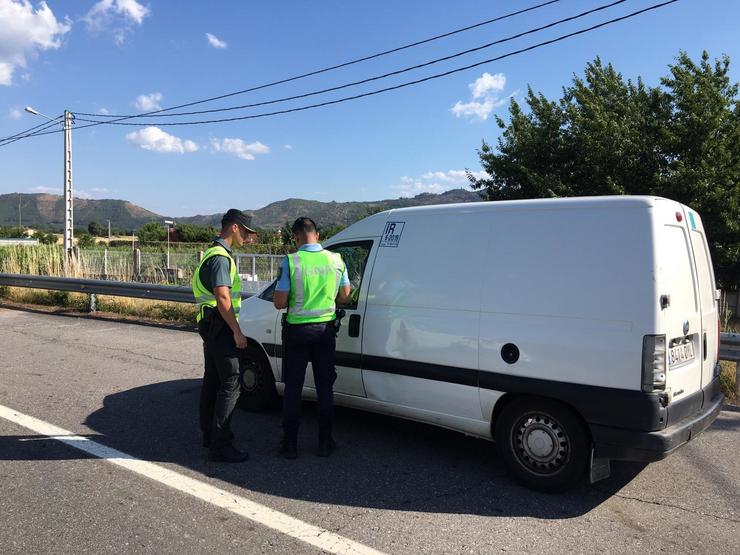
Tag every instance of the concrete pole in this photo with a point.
(68, 198)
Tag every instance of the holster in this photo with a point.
(211, 325)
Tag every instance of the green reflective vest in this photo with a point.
(314, 284)
(204, 297)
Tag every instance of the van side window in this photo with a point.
(267, 294)
(355, 257)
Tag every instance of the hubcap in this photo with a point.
(540, 443)
(249, 378)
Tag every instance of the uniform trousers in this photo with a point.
(220, 390)
(304, 343)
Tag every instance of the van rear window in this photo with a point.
(676, 264)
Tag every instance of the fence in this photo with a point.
(256, 270)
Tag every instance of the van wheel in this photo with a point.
(543, 443)
(256, 381)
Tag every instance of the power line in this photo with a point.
(368, 80)
(335, 67)
(417, 81)
(25, 134)
(55, 120)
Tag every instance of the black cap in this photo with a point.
(237, 217)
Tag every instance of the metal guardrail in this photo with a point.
(103, 287)
(729, 347)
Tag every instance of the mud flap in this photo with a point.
(599, 469)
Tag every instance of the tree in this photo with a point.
(152, 231)
(191, 233)
(85, 240)
(94, 228)
(609, 136)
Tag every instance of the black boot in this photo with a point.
(326, 442)
(227, 454)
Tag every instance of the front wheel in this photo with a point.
(543, 443)
(256, 381)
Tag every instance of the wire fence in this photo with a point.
(256, 270)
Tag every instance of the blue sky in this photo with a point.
(127, 56)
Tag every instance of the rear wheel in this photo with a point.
(256, 380)
(543, 443)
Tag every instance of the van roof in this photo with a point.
(369, 227)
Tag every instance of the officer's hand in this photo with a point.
(240, 340)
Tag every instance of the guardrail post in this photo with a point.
(91, 302)
(137, 264)
(200, 256)
(254, 266)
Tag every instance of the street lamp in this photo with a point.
(169, 224)
(67, 181)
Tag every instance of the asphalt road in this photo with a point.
(395, 486)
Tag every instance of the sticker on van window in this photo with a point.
(392, 234)
(692, 220)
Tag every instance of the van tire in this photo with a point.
(543, 443)
(256, 381)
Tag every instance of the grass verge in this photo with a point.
(156, 311)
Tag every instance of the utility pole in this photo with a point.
(108, 232)
(20, 227)
(68, 198)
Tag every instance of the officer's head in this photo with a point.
(305, 231)
(235, 225)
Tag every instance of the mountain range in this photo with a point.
(47, 211)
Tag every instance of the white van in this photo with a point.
(570, 331)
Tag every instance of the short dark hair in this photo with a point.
(304, 225)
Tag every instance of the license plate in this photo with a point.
(680, 354)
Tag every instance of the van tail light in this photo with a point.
(653, 363)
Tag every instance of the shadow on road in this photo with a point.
(381, 462)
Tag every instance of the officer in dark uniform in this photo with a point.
(217, 289)
(312, 281)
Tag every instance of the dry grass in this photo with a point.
(78, 302)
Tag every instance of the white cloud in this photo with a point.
(485, 97)
(487, 83)
(99, 190)
(117, 17)
(48, 190)
(239, 148)
(214, 41)
(24, 33)
(288, 147)
(434, 182)
(154, 139)
(148, 102)
(15, 113)
(104, 111)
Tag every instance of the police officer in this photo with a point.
(312, 281)
(217, 290)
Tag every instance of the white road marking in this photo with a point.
(285, 524)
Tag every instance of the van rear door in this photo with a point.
(707, 296)
(680, 315)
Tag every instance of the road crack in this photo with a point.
(679, 507)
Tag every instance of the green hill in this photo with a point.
(47, 211)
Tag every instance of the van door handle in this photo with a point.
(704, 346)
(354, 325)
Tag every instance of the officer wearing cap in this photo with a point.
(217, 290)
(312, 281)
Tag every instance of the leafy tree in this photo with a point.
(286, 234)
(85, 240)
(191, 233)
(609, 136)
(94, 228)
(152, 231)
